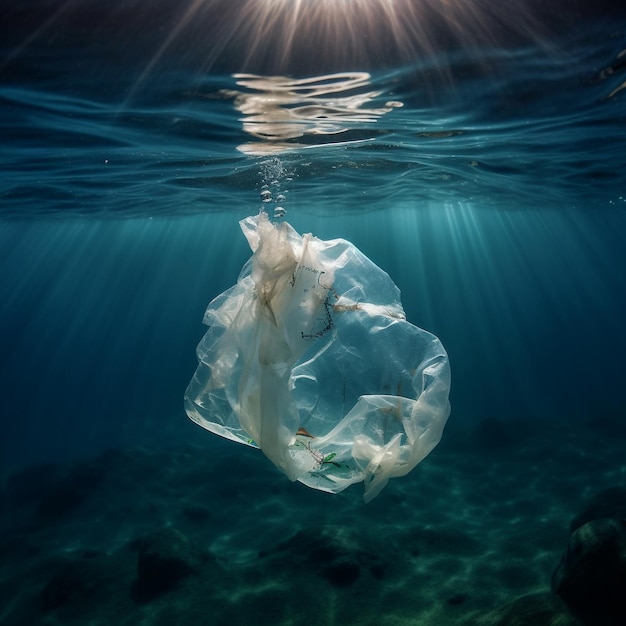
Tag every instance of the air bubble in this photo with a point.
(280, 198)
(279, 212)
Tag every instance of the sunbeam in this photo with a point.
(281, 36)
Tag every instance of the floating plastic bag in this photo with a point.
(309, 358)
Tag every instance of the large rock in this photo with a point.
(591, 577)
(608, 503)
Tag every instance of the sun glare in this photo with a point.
(292, 37)
(283, 113)
(312, 37)
(270, 36)
(347, 29)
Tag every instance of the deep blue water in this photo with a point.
(486, 174)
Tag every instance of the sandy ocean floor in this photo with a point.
(210, 533)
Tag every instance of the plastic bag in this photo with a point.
(309, 357)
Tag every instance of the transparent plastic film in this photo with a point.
(310, 358)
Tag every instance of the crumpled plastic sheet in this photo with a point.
(309, 357)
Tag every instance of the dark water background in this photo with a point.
(495, 197)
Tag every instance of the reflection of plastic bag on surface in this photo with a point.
(309, 357)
